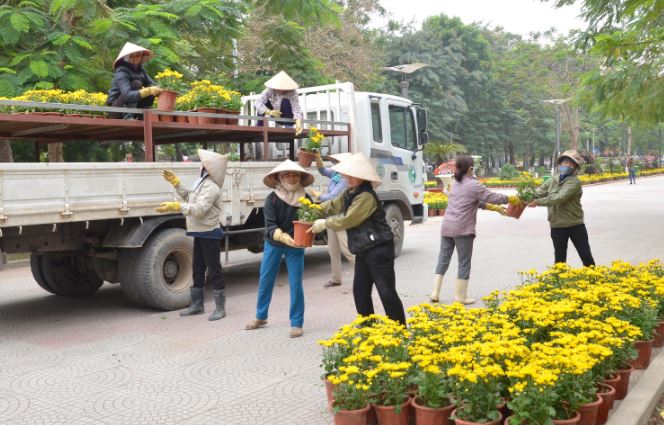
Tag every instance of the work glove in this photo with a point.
(298, 127)
(283, 237)
(170, 177)
(315, 193)
(318, 226)
(273, 113)
(149, 91)
(319, 161)
(168, 207)
(513, 199)
(497, 208)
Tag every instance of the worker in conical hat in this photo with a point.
(561, 194)
(279, 100)
(201, 206)
(132, 87)
(360, 213)
(288, 180)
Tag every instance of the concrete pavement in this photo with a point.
(103, 361)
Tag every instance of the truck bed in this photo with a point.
(47, 193)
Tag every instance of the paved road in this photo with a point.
(103, 361)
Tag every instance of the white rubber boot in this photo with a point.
(437, 283)
(462, 292)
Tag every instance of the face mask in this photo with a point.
(566, 170)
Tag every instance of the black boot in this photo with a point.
(220, 303)
(196, 306)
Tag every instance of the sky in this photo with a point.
(515, 16)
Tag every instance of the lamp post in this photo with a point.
(404, 70)
(556, 149)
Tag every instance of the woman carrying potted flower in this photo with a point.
(132, 87)
(561, 194)
(280, 211)
(458, 227)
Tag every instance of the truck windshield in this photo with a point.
(402, 128)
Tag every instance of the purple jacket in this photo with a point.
(335, 187)
(465, 198)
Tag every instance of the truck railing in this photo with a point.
(156, 127)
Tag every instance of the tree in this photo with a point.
(438, 152)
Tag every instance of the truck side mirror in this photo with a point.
(422, 119)
(424, 137)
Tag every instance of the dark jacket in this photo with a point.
(278, 215)
(122, 85)
(371, 232)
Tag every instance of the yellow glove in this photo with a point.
(298, 127)
(170, 177)
(318, 226)
(315, 193)
(168, 207)
(273, 113)
(497, 208)
(513, 199)
(319, 160)
(280, 236)
(149, 91)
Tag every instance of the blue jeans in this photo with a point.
(268, 275)
(632, 175)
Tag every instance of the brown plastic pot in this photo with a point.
(431, 416)
(644, 349)
(608, 395)
(572, 421)
(387, 415)
(301, 238)
(623, 385)
(515, 210)
(588, 412)
(350, 417)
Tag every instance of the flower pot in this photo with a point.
(165, 118)
(305, 158)
(623, 384)
(435, 189)
(644, 349)
(387, 415)
(515, 211)
(573, 421)
(166, 100)
(433, 213)
(613, 381)
(301, 238)
(441, 212)
(221, 120)
(659, 335)
(431, 416)
(588, 412)
(206, 120)
(350, 417)
(329, 388)
(608, 395)
(181, 118)
(229, 121)
(464, 422)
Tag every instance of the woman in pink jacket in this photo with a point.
(458, 228)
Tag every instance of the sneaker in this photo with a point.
(331, 283)
(255, 324)
(296, 332)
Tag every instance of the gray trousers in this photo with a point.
(464, 246)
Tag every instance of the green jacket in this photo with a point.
(563, 200)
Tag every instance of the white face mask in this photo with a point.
(288, 186)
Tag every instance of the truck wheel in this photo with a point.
(126, 274)
(71, 275)
(37, 270)
(395, 221)
(163, 268)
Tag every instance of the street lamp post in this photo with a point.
(556, 149)
(404, 70)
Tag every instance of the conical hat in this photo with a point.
(358, 166)
(338, 157)
(215, 164)
(571, 154)
(281, 81)
(272, 177)
(130, 48)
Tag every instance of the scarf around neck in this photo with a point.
(289, 193)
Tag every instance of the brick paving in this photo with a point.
(103, 361)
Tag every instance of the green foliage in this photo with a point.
(439, 151)
(508, 172)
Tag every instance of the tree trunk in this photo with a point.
(55, 152)
(510, 149)
(6, 154)
(628, 150)
(572, 121)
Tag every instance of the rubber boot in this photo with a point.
(462, 292)
(220, 303)
(437, 282)
(196, 306)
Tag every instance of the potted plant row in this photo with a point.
(77, 97)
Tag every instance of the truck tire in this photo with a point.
(126, 275)
(163, 268)
(394, 219)
(37, 270)
(70, 275)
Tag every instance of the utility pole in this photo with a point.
(556, 149)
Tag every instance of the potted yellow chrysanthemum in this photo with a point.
(307, 153)
(306, 214)
(170, 82)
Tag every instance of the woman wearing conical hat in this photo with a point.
(279, 100)
(360, 213)
(201, 207)
(288, 180)
(562, 195)
(132, 87)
